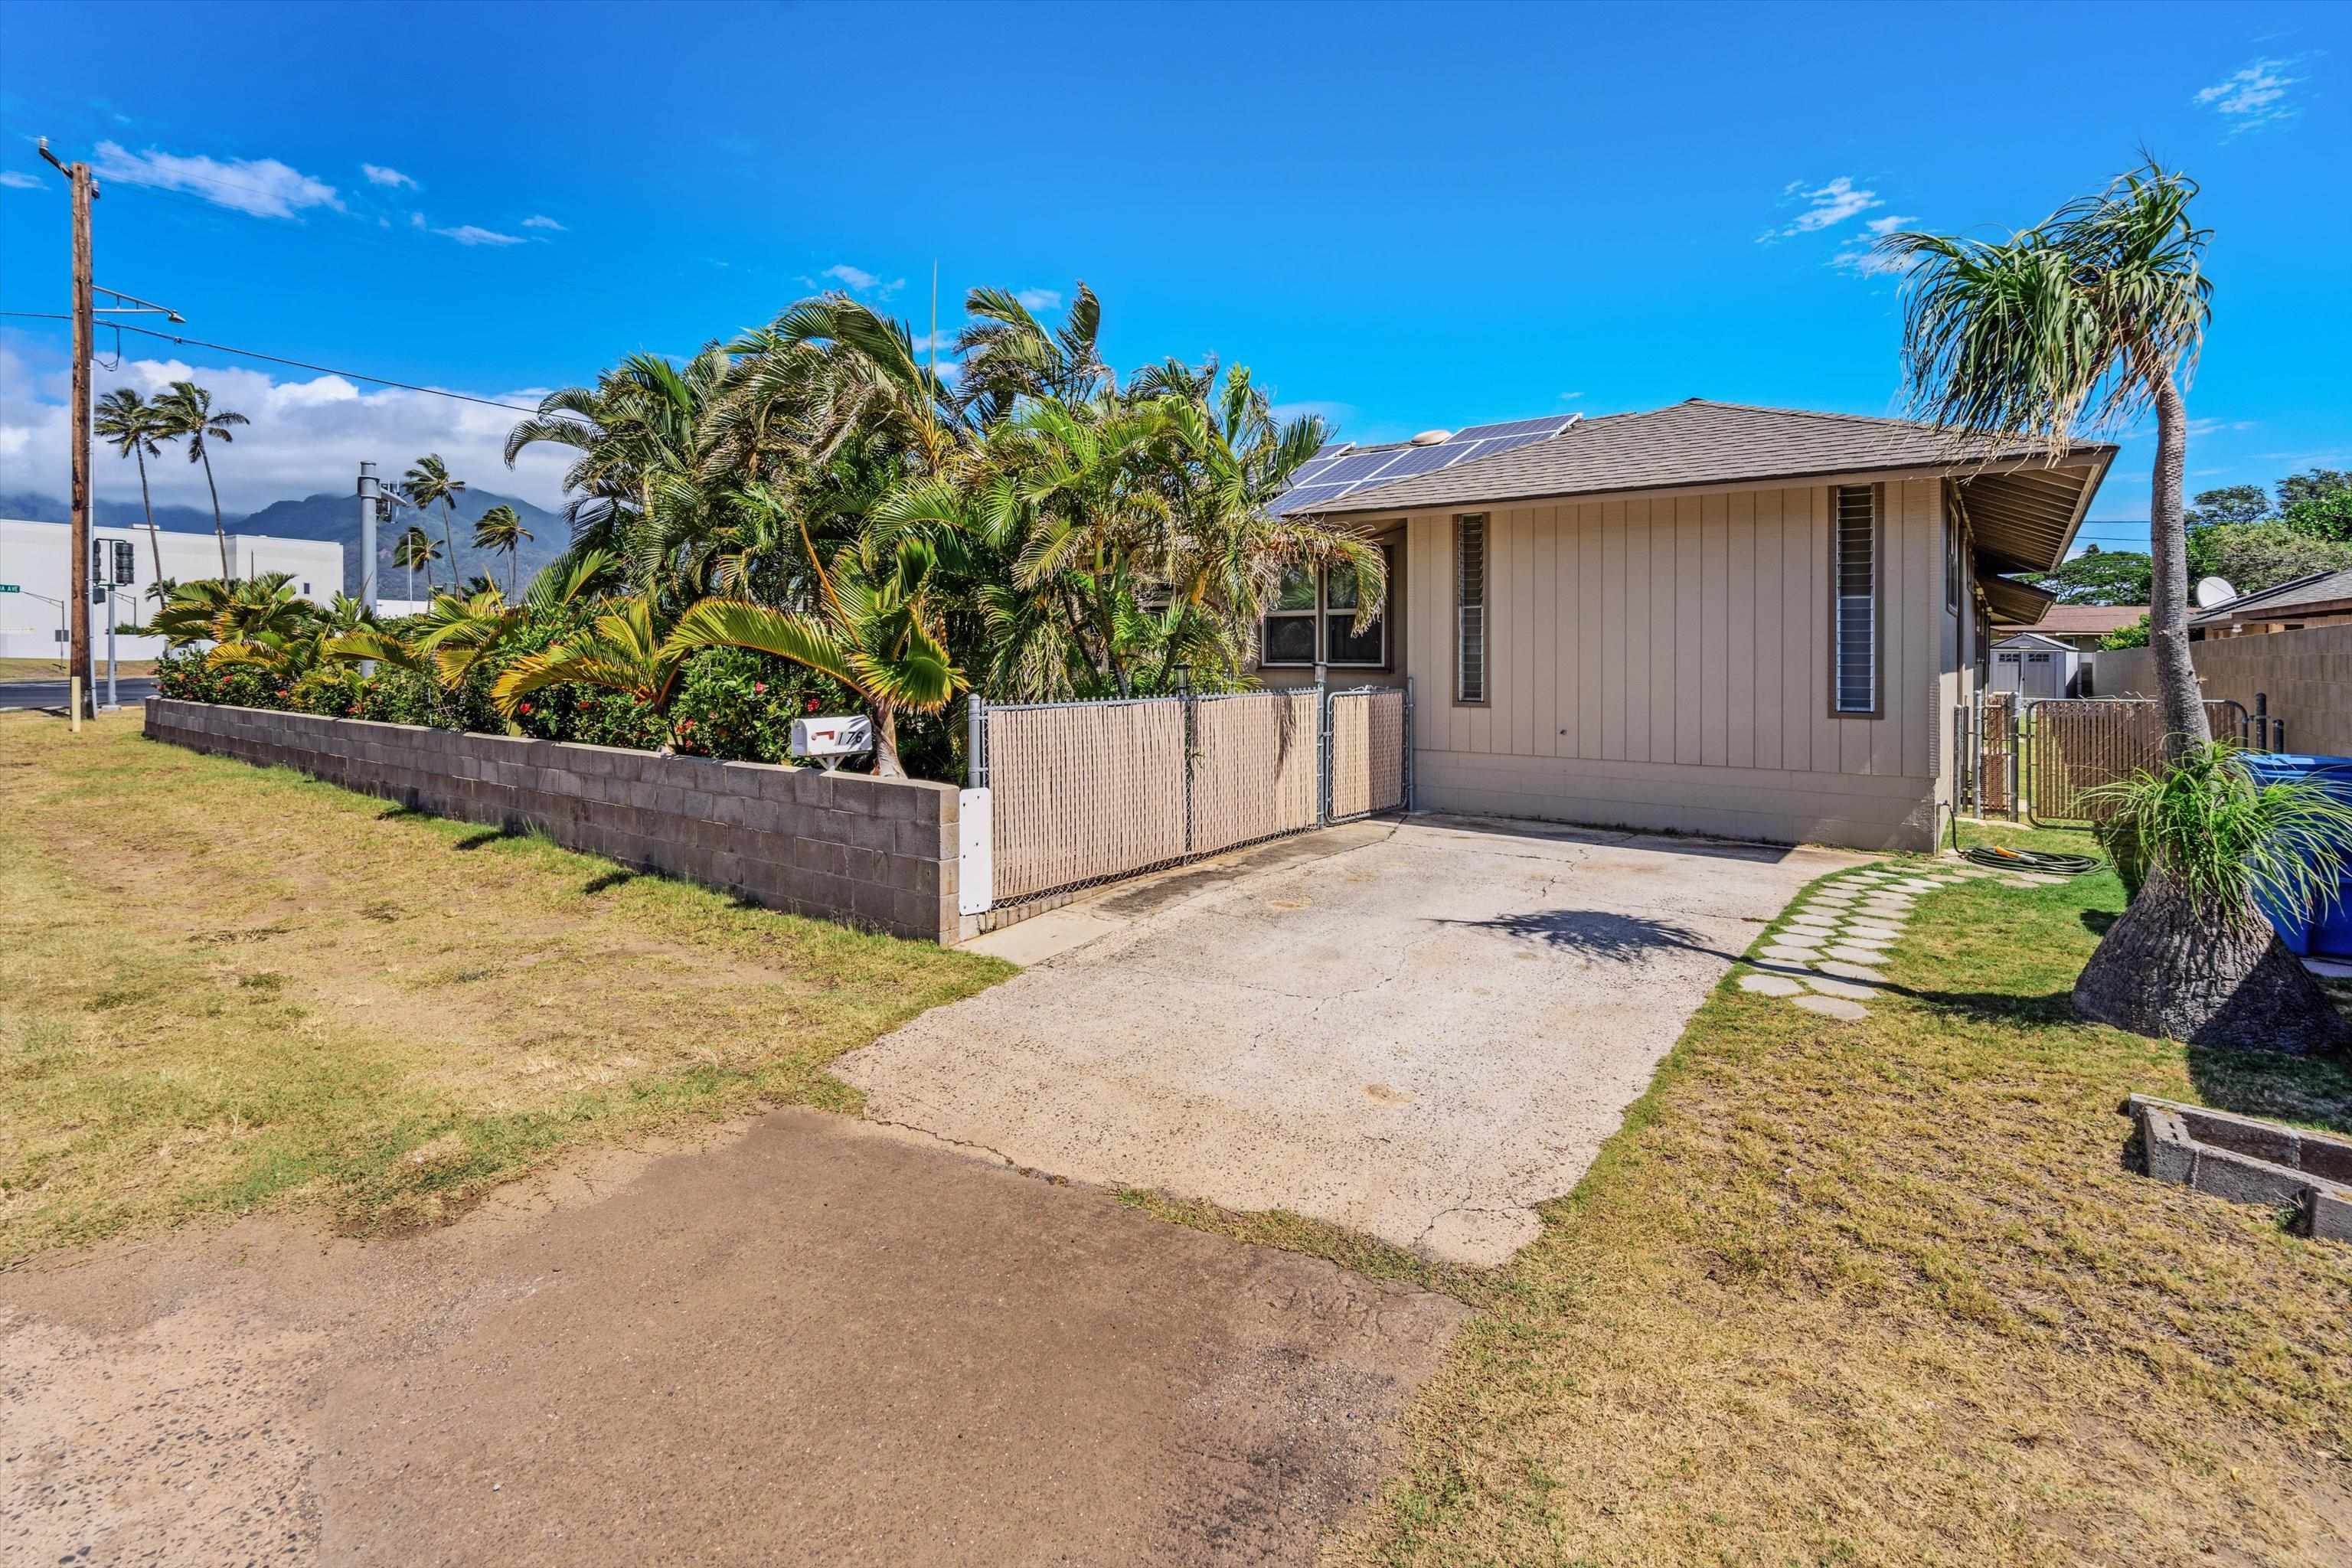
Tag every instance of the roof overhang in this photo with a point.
(2036, 639)
(2011, 603)
(2023, 517)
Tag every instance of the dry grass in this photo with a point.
(59, 668)
(1890, 1292)
(224, 988)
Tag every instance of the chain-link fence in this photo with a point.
(1088, 792)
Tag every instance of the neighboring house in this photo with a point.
(1712, 617)
(37, 560)
(2077, 626)
(2035, 666)
(2324, 598)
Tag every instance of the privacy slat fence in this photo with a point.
(2042, 759)
(1088, 791)
(2076, 744)
(1368, 752)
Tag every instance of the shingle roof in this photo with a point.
(2319, 588)
(1693, 443)
(2084, 620)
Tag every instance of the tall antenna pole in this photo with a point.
(79, 651)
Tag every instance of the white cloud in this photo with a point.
(417, 220)
(540, 220)
(858, 280)
(1828, 205)
(1569, 396)
(470, 234)
(1887, 224)
(2254, 95)
(2216, 426)
(16, 180)
(1863, 262)
(307, 435)
(1040, 298)
(379, 175)
(261, 186)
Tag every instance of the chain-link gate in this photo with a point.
(1066, 794)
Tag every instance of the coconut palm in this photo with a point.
(500, 528)
(185, 411)
(413, 550)
(429, 483)
(135, 427)
(2092, 318)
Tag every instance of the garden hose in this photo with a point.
(2048, 862)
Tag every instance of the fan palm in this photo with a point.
(135, 427)
(500, 529)
(185, 411)
(430, 484)
(2094, 318)
(624, 649)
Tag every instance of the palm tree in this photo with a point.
(2094, 317)
(135, 427)
(430, 482)
(500, 529)
(413, 549)
(186, 410)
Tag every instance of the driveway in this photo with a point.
(813, 1341)
(1419, 1030)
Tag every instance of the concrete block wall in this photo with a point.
(877, 853)
(2306, 675)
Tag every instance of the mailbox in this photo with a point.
(830, 740)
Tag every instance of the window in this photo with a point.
(1853, 573)
(1313, 619)
(1470, 609)
(1951, 562)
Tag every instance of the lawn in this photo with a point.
(224, 989)
(1890, 1291)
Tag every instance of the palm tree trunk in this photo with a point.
(2170, 968)
(154, 539)
(885, 742)
(228, 572)
(2179, 699)
(449, 509)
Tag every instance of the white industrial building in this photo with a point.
(36, 567)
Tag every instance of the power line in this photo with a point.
(280, 359)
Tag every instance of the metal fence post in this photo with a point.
(975, 746)
(1408, 742)
(1324, 698)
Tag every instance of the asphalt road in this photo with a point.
(53, 693)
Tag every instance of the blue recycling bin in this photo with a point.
(2326, 933)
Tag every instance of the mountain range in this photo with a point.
(334, 517)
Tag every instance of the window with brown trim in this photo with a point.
(1470, 609)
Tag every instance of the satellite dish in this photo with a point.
(2212, 590)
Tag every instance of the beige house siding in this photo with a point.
(1662, 661)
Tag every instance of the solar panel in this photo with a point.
(1340, 469)
(1306, 497)
(1541, 430)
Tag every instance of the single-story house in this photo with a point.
(2035, 666)
(1710, 617)
(2079, 627)
(2324, 598)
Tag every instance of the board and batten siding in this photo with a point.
(1663, 661)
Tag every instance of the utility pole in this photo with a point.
(85, 191)
(369, 505)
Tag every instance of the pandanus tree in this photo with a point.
(185, 412)
(135, 429)
(2092, 320)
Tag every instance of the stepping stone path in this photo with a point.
(1822, 955)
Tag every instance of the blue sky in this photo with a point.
(1403, 216)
